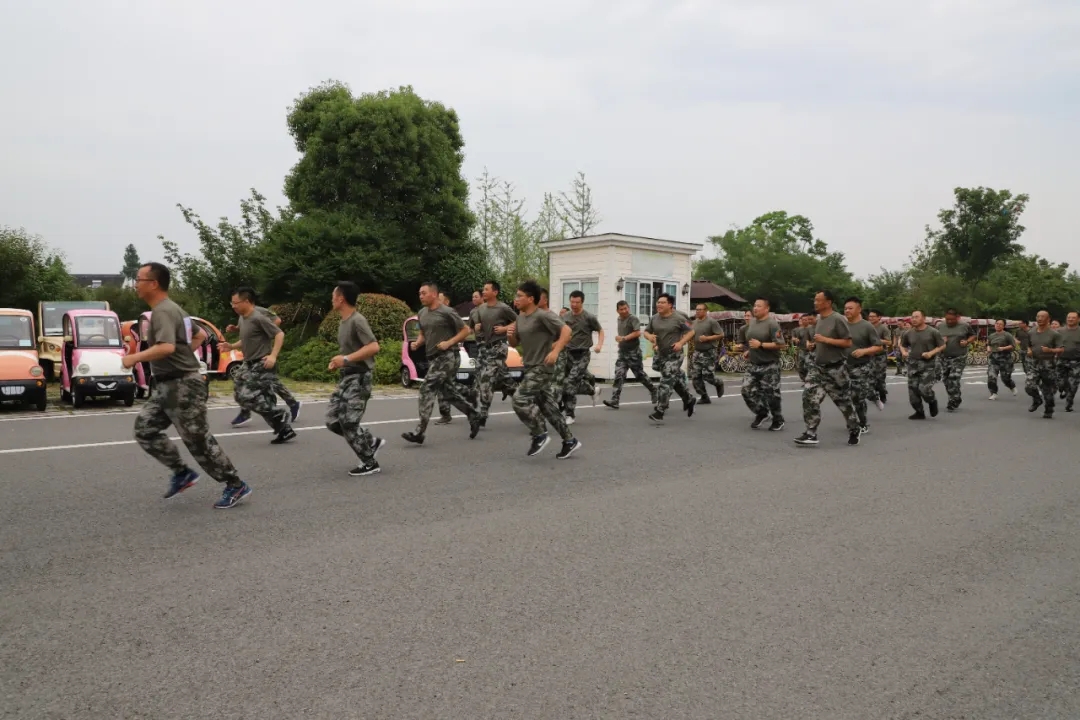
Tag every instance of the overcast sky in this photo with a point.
(687, 117)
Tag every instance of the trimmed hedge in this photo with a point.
(308, 362)
(384, 313)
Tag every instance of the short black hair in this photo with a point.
(855, 299)
(577, 294)
(828, 295)
(763, 299)
(701, 305)
(349, 291)
(669, 297)
(160, 274)
(530, 288)
(430, 284)
(621, 303)
(246, 294)
(494, 285)
(544, 291)
(565, 309)
(1000, 320)
(952, 311)
(874, 311)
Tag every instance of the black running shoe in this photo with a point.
(758, 420)
(1035, 405)
(690, 407)
(445, 420)
(413, 437)
(807, 438)
(539, 442)
(657, 416)
(474, 426)
(284, 436)
(853, 438)
(917, 415)
(933, 408)
(777, 425)
(1048, 415)
(568, 448)
(369, 468)
(704, 400)
(612, 405)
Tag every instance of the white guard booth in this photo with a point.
(613, 267)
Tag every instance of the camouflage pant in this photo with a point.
(536, 400)
(952, 375)
(703, 370)
(672, 380)
(182, 404)
(901, 364)
(761, 390)
(802, 364)
(492, 374)
(440, 381)
(999, 363)
(1025, 362)
(347, 407)
(880, 372)
(253, 388)
(577, 369)
(1062, 377)
(1041, 382)
(921, 376)
(627, 362)
(1071, 374)
(469, 392)
(863, 390)
(834, 381)
(562, 367)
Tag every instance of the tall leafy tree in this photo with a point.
(576, 208)
(377, 196)
(981, 229)
(131, 264)
(890, 292)
(30, 271)
(779, 257)
(1020, 286)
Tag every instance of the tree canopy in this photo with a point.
(30, 271)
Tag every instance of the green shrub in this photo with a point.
(307, 363)
(297, 314)
(385, 314)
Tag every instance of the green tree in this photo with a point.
(30, 271)
(377, 196)
(980, 230)
(131, 264)
(778, 257)
(576, 209)
(1024, 284)
(890, 292)
(226, 259)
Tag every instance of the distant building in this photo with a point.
(96, 281)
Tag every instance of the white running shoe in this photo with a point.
(993, 396)
(1014, 392)
(880, 405)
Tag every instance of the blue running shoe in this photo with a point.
(233, 495)
(294, 410)
(181, 481)
(242, 419)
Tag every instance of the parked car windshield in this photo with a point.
(15, 332)
(52, 314)
(97, 332)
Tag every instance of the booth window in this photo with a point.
(641, 296)
(591, 288)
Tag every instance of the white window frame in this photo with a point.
(572, 284)
(636, 285)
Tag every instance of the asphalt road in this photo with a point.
(694, 570)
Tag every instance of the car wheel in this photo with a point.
(65, 396)
(129, 398)
(406, 377)
(41, 401)
(232, 370)
(78, 399)
(140, 393)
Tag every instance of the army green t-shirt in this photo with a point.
(489, 317)
(863, 335)
(702, 328)
(1050, 338)
(353, 333)
(627, 325)
(536, 333)
(169, 324)
(831, 326)
(999, 339)
(767, 330)
(884, 332)
(1024, 338)
(803, 336)
(1070, 340)
(953, 335)
(257, 333)
(582, 327)
(438, 326)
(741, 335)
(668, 331)
(921, 341)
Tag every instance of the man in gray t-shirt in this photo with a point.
(1000, 346)
(244, 416)
(630, 357)
(707, 337)
(919, 347)
(1046, 348)
(491, 319)
(958, 336)
(541, 336)
(829, 375)
(441, 329)
(582, 324)
(761, 385)
(881, 360)
(669, 331)
(179, 394)
(253, 386)
(355, 361)
(865, 346)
